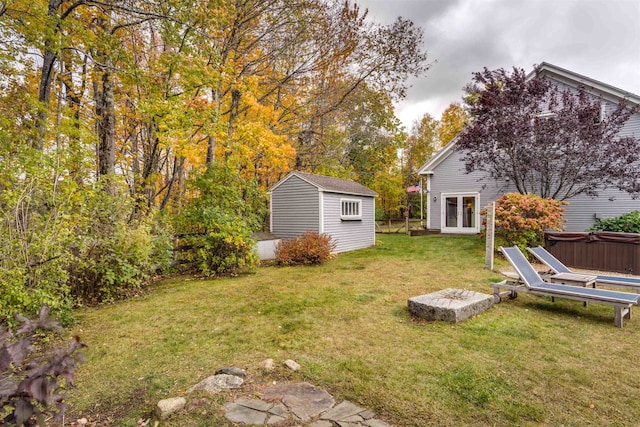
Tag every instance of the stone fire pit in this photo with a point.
(450, 305)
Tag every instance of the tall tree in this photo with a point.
(556, 143)
(356, 52)
(453, 120)
(422, 142)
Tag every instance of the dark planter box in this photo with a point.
(606, 251)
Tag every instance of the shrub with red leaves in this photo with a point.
(522, 219)
(31, 382)
(310, 248)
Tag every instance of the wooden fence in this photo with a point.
(399, 226)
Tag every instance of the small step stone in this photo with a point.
(321, 423)
(236, 372)
(168, 407)
(216, 383)
(292, 364)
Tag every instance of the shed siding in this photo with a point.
(349, 235)
(295, 208)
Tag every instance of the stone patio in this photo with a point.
(302, 403)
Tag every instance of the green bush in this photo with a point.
(522, 219)
(308, 249)
(115, 252)
(64, 241)
(626, 223)
(36, 218)
(215, 227)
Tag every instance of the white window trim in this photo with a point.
(353, 217)
(443, 214)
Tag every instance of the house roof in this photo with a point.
(329, 184)
(565, 76)
(590, 85)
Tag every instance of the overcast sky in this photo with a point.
(596, 38)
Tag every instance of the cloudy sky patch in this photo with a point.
(596, 38)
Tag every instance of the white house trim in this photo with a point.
(463, 214)
(321, 211)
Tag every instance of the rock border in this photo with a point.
(301, 403)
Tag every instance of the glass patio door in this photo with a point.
(460, 213)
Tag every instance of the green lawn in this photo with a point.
(526, 361)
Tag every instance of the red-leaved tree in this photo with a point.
(556, 143)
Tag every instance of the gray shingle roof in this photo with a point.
(336, 185)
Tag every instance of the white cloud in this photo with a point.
(597, 38)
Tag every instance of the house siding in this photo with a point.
(349, 235)
(295, 208)
(580, 214)
(450, 177)
(583, 210)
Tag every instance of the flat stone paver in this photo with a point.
(258, 405)
(342, 411)
(275, 419)
(301, 403)
(304, 400)
(242, 414)
(280, 410)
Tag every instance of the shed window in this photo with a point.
(350, 209)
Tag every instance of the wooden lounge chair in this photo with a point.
(556, 266)
(531, 282)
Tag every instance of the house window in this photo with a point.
(350, 209)
(460, 212)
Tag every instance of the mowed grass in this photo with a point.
(527, 361)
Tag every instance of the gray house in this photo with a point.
(341, 208)
(455, 197)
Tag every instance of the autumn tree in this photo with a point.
(422, 142)
(356, 52)
(453, 120)
(556, 143)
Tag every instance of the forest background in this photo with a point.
(128, 127)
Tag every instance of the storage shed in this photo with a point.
(341, 208)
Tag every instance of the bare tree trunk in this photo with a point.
(178, 166)
(46, 79)
(211, 146)
(105, 123)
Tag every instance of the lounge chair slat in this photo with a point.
(531, 282)
(554, 264)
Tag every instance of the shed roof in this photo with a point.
(330, 184)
